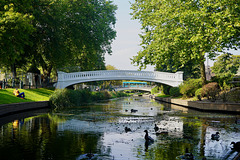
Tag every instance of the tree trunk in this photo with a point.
(203, 74)
(46, 74)
(14, 71)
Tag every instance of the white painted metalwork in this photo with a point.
(67, 79)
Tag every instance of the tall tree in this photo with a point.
(226, 65)
(15, 31)
(185, 30)
(53, 34)
(73, 33)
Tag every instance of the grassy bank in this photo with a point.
(62, 98)
(31, 95)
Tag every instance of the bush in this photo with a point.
(234, 95)
(189, 87)
(199, 94)
(211, 90)
(156, 89)
(60, 98)
(67, 98)
(174, 91)
(223, 81)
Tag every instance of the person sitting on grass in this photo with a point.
(17, 94)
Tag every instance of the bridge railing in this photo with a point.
(66, 79)
(62, 76)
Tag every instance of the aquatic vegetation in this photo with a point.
(62, 98)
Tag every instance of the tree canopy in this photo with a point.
(226, 65)
(185, 31)
(15, 31)
(55, 34)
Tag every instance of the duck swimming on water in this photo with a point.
(187, 156)
(127, 129)
(156, 128)
(148, 138)
(215, 136)
(133, 110)
(236, 146)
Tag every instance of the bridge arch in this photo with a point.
(67, 79)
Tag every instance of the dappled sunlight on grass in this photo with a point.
(41, 94)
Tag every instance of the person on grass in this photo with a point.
(18, 94)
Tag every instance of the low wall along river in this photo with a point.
(203, 105)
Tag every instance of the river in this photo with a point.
(98, 131)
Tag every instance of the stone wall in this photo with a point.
(7, 109)
(202, 105)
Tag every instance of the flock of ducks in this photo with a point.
(188, 155)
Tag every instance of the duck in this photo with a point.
(156, 128)
(128, 129)
(133, 110)
(236, 146)
(215, 136)
(147, 137)
(163, 133)
(237, 121)
(187, 155)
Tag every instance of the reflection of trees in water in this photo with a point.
(169, 146)
(37, 138)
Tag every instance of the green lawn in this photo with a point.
(41, 94)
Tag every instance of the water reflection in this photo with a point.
(98, 132)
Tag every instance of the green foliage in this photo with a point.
(211, 90)
(55, 34)
(118, 94)
(199, 93)
(174, 91)
(189, 87)
(67, 98)
(225, 67)
(185, 31)
(234, 95)
(15, 32)
(156, 89)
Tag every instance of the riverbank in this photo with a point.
(8, 109)
(31, 95)
(203, 105)
(34, 99)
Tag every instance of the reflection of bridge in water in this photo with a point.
(68, 79)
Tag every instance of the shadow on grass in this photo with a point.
(7, 97)
(42, 91)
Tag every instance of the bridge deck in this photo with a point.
(66, 79)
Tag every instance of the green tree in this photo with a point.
(15, 31)
(110, 67)
(54, 34)
(73, 33)
(226, 66)
(185, 31)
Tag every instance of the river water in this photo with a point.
(98, 131)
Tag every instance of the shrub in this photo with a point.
(199, 94)
(234, 95)
(211, 90)
(189, 87)
(60, 98)
(156, 89)
(67, 98)
(174, 91)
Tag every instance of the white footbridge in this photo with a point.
(68, 79)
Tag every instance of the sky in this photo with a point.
(127, 43)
